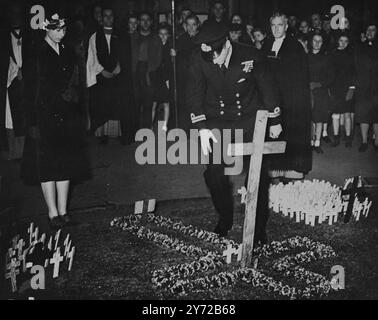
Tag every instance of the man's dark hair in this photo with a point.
(193, 17)
(107, 8)
(186, 8)
(218, 2)
(145, 13)
(133, 16)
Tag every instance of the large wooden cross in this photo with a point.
(256, 149)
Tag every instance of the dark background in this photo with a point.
(360, 12)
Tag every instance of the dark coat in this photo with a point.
(343, 65)
(366, 81)
(110, 98)
(321, 71)
(185, 47)
(230, 100)
(56, 152)
(4, 64)
(291, 75)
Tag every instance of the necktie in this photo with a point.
(18, 36)
(224, 69)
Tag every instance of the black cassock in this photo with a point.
(110, 97)
(54, 149)
(291, 74)
(366, 81)
(17, 90)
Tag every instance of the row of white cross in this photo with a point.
(308, 200)
(16, 254)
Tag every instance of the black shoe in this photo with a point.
(318, 150)
(260, 239)
(326, 139)
(336, 141)
(55, 223)
(221, 230)
(363, 147)
(348, 142)
(67, 220)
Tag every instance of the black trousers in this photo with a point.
(221, 193)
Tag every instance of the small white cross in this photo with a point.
(71, 256)
(151, 205)
(57, 236)
(228, 253)
(243, 192)
(56, 260)
(13, 272)
(67, 249)
(31, 231)
(138, 209)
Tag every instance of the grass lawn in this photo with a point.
(113, 264)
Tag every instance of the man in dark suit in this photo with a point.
(288, 63)
(227, 84)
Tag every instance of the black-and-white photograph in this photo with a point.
(188, 150)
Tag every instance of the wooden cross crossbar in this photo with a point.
(256, 150)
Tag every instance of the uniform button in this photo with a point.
(237, 95)
(238, 102)
(222, 105)
(222, 112)
(239, 107)
(239, 114)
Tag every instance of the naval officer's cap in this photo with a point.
(211, 39)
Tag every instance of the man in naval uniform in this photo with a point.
(228, 83)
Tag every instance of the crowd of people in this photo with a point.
(116, 80)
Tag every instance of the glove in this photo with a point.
(117, 70)
(349, 95)
(206, 135)
(107, 74)
(275, 131)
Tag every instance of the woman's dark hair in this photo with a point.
(322, 50)
(237, 15)
(260, 29)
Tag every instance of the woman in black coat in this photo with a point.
(321, 77)
(342, 90)
(366, 82)
(161, 78)
(57, 158)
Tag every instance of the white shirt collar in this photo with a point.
(277, 44)
(228, 58)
